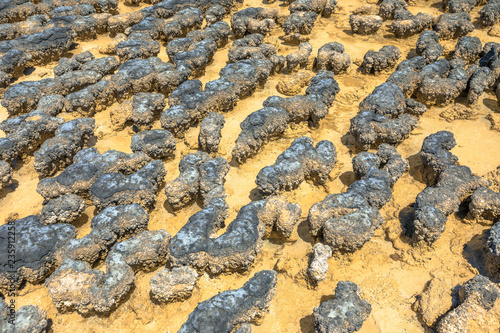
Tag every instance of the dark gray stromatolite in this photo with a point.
(115, 188)
(5, 174)
(383, 59)
(300, 161)
(384, 117)
(156, 143)
(407, 24)
(484, 205)
(191, 104)
(36, 249)
(348, 220)
(210, 132)
(428, 46)
(332, 56)
(448, 185)
(273, 119)
(477, 307)
(173, 284)
(298, 26)
(365, 24)
(56, 153)
(27, 319)
(88, 165)
(200, 177)
(228, 309)
(76, 286)
(490, 14)
(343, 314)
(468, 49)
(111, 225)
(255, 20)
(238, 247)
(453, 25)
(65, 209)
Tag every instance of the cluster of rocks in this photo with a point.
(190, 55)
(253, 47)
(142, 31)
(256, 20)
(196, 50)
(278, 112)
(377, 61)
(345, 221)
(133, 76)
(238, 246)
(108, 179)
(386, 116)
(300, 161)
(53, 141)
(345, 313)
(454, 24)
(123, 186)
(71, 77)
(111, 225)
(303, 16)
(200, 177)
(39, 257)
(164, 20)
(56, 153)
(189, 104)
(101, 292)
(118, 235)
(166, 29)
(391, 112)
(477, 310)
(34, 34)
(448, 185)
(234, 308)
(406, 24)
(31, 131)
(22, 9)
(34, 49)
(60, 245)
(28, 318)
(332, 56)
(79, 80)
